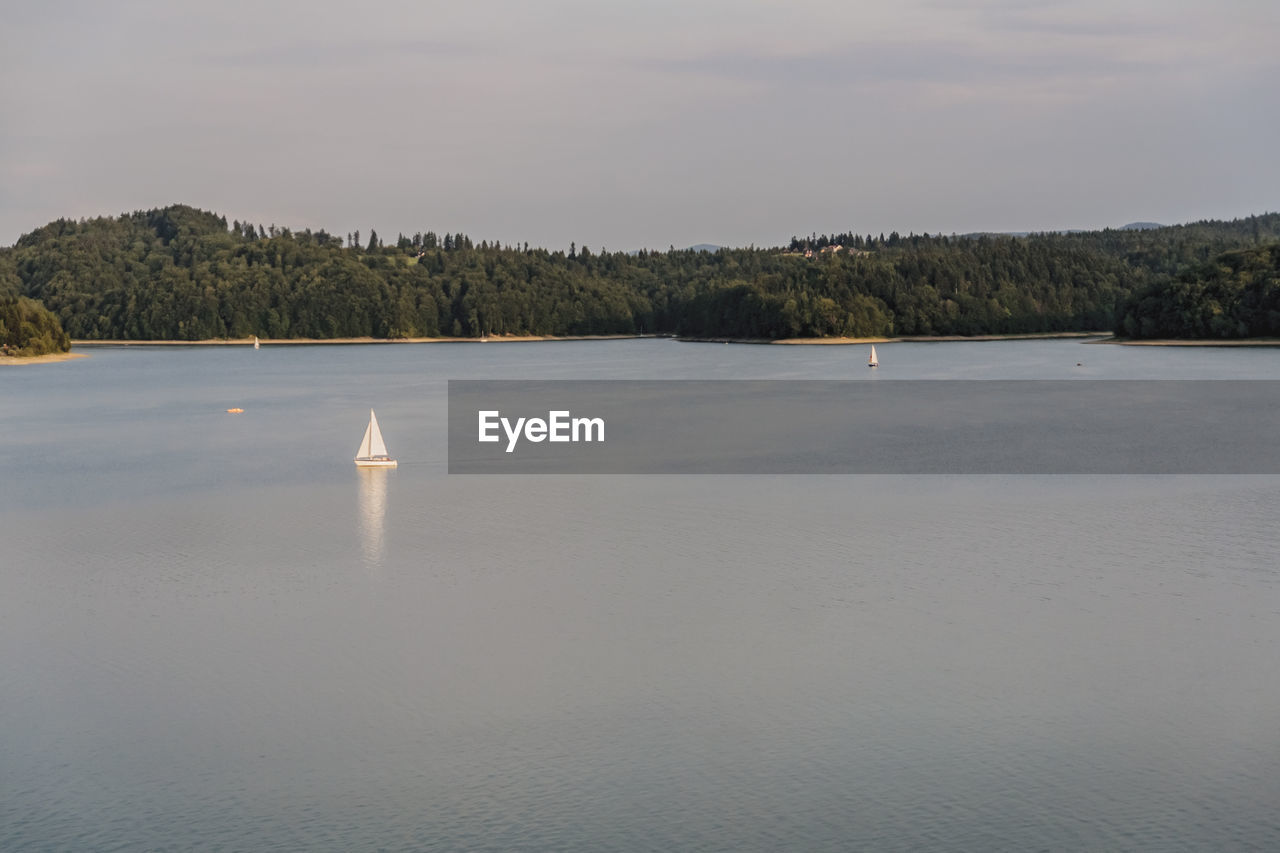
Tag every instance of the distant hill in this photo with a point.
(1140, 226)
(701, 247)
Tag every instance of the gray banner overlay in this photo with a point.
(866, 427)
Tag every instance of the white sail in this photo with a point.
(255, 341)
(363, 452)
(376, 445)
(873, 361)
(373, 450)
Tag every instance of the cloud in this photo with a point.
(314, 54)
(879, 64)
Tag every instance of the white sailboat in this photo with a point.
(873, 361)
(373, 450)
(255, 341)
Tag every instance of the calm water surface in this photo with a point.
(215, 633)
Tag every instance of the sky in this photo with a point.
(620, 124)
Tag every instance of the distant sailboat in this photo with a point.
(255, 341)
(373, 450)
(873, 361)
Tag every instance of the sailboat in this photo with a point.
(873, 361)
(373, 450)
(255, 341)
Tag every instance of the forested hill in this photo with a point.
(182, 273)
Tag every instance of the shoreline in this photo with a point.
(276, 342)
(49, 358)
(1191, 342)
(898, 339)
(240, 342)
(1083, 337)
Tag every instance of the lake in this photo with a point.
(216, 633)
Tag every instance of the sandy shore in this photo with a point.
(1088, 337)
(240, 342)
(1085, 337)
(1199, 342)
(903, 339)
(42, 359)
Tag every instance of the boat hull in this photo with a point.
(375, 463)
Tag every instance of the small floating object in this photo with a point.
(235, 411)
(872, 361)
(1079, 364)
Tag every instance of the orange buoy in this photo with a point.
(234, 411)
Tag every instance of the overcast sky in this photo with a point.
(622, 124)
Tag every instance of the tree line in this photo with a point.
(187, 274)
